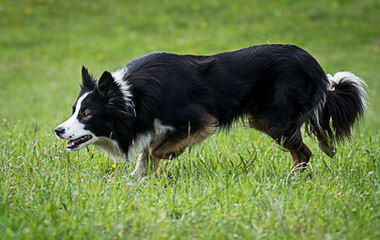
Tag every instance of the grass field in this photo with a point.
(231, 186)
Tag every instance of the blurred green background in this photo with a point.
(44, 43)
(234, 185)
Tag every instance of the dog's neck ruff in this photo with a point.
(124, 88)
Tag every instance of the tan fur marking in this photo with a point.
(86, 115)
(170, 148)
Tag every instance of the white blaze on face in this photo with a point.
(73, 128)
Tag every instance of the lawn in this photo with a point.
(232, 186)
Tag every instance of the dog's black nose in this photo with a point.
(59, 131)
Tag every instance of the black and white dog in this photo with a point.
(162, 103)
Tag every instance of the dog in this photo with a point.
(161, 103)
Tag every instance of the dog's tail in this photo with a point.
(345, 102)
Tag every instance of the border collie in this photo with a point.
(161, 103)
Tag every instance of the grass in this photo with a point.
(234, 185)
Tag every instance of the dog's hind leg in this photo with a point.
(299, 151)
(301, 157)
(325, 144)
(290, 140)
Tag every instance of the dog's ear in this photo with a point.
(106, 85)
(88, 82)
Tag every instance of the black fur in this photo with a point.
(279, 87)
(343, 107)
(278, 84)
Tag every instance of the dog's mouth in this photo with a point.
(79, 142)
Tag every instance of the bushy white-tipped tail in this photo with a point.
(354, 80)
(346, 100)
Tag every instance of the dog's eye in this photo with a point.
(86, 113)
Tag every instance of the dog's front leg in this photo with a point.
(146, 164)
(140, 169)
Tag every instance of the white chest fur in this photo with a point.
(110, 147)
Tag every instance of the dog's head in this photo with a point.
(98, 106)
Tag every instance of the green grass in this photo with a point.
(234, 185)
